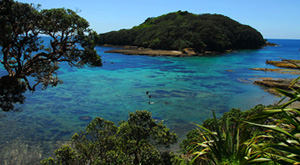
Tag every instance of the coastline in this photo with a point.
(135, 50)
(270, 84)
(186, 52)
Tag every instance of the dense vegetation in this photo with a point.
(25, 57)
(261, 135)
(178, 30)
(133, 142)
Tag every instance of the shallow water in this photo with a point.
(183, 91)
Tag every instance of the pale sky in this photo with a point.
(275, 19)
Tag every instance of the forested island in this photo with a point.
(211, 33)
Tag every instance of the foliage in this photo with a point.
(227, 140)
(23, 51)
(180, 30)
(139, 131)
(286, 122)
(224, 146)
(262, 135)
(234, 118)
(133, 142)
(11, 91)
(30, 61)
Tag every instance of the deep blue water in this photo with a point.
(183, 90)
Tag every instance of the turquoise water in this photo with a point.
(183, 90)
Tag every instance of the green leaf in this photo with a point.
(286, 159)
(268, 113)
(273, 127)
(205, 129)
(293, 150)
(260, 160)
(292, 119)
(285, 93)
(290, 102)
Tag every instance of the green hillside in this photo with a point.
(178, 30)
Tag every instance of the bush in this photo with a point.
(133, 142)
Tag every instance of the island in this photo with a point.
(184, 34)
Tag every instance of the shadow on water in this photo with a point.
(18, 150)
(11, 92)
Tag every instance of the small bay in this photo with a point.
(180, 91)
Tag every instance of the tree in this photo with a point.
(98, 144)
(133, 142)
(27, 60)
(11, 91)
(139, 134)
(23, 52)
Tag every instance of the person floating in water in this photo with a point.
(147, 93)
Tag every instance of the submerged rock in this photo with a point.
(85, 118)
(271, 44)
(285, 71)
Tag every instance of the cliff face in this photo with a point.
(179, 30)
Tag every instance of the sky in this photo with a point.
(275, 19)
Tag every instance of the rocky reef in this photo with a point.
(285, 63)
(287, 84)
(134, 50)
(284, 71)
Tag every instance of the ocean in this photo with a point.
(183, 91)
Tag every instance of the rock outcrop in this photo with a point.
(149, 52)
(134, 50)
(285, 63)
(277, 83)
(287, 84)
(284, 71)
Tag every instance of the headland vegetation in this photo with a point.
(181, 31)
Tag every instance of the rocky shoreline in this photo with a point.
(186, 52)
(285, 63)
(285, 66)
(270, 83)
(135, 50)
(148, 52)
(283, 71)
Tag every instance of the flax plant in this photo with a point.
(284, 127)
(225, 145)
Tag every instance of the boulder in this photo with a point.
(189, 51)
